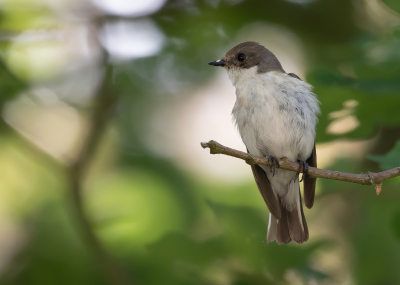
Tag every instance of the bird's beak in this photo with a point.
(219, 62)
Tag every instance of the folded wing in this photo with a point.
(309, 183)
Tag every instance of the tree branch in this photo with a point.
(363, 179)
(102, 110)
(103, 106)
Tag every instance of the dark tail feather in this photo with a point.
(303, 218)
(291, 226)
(279, 229)
(283, 233)
(298, 230)
(297, 223)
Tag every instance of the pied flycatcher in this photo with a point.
(276, 114)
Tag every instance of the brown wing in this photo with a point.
(282, 231)
(298, 233)
(266, 191)
(294, 75)
(309, 183)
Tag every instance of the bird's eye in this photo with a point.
(241, 56)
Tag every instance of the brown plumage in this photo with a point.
(257, 55)
(266, 191)
(309, 183)
(283, 230)
(285, 225)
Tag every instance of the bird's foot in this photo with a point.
(303, 168)
(275, 164)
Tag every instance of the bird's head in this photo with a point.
(247, 55)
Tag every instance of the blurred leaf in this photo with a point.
(328, 77)
(390, 160)
(393, 4)
(53, 252)
(134, 208)
(294, 257)
(380, 87)
(396, 32)
(396, 224)
(32, 17)
(317, 275)
(376, 250)
(10, 85)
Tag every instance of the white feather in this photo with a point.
(272, 228)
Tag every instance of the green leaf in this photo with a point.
(393, 4)
(10, 85)
(396, 32)
(329, 77)
(396, 224)
(390, 160)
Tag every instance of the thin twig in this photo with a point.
(102, 111)
(363, 179)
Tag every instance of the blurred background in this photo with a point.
(104, 104)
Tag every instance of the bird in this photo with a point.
(276, 114)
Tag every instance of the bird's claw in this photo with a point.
(274, 164)
(303, 168)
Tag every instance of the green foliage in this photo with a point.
(390, 160)
(10, 86)
(393, 4)
(396, 224)
(160, 221)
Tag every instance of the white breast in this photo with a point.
(276, 114)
